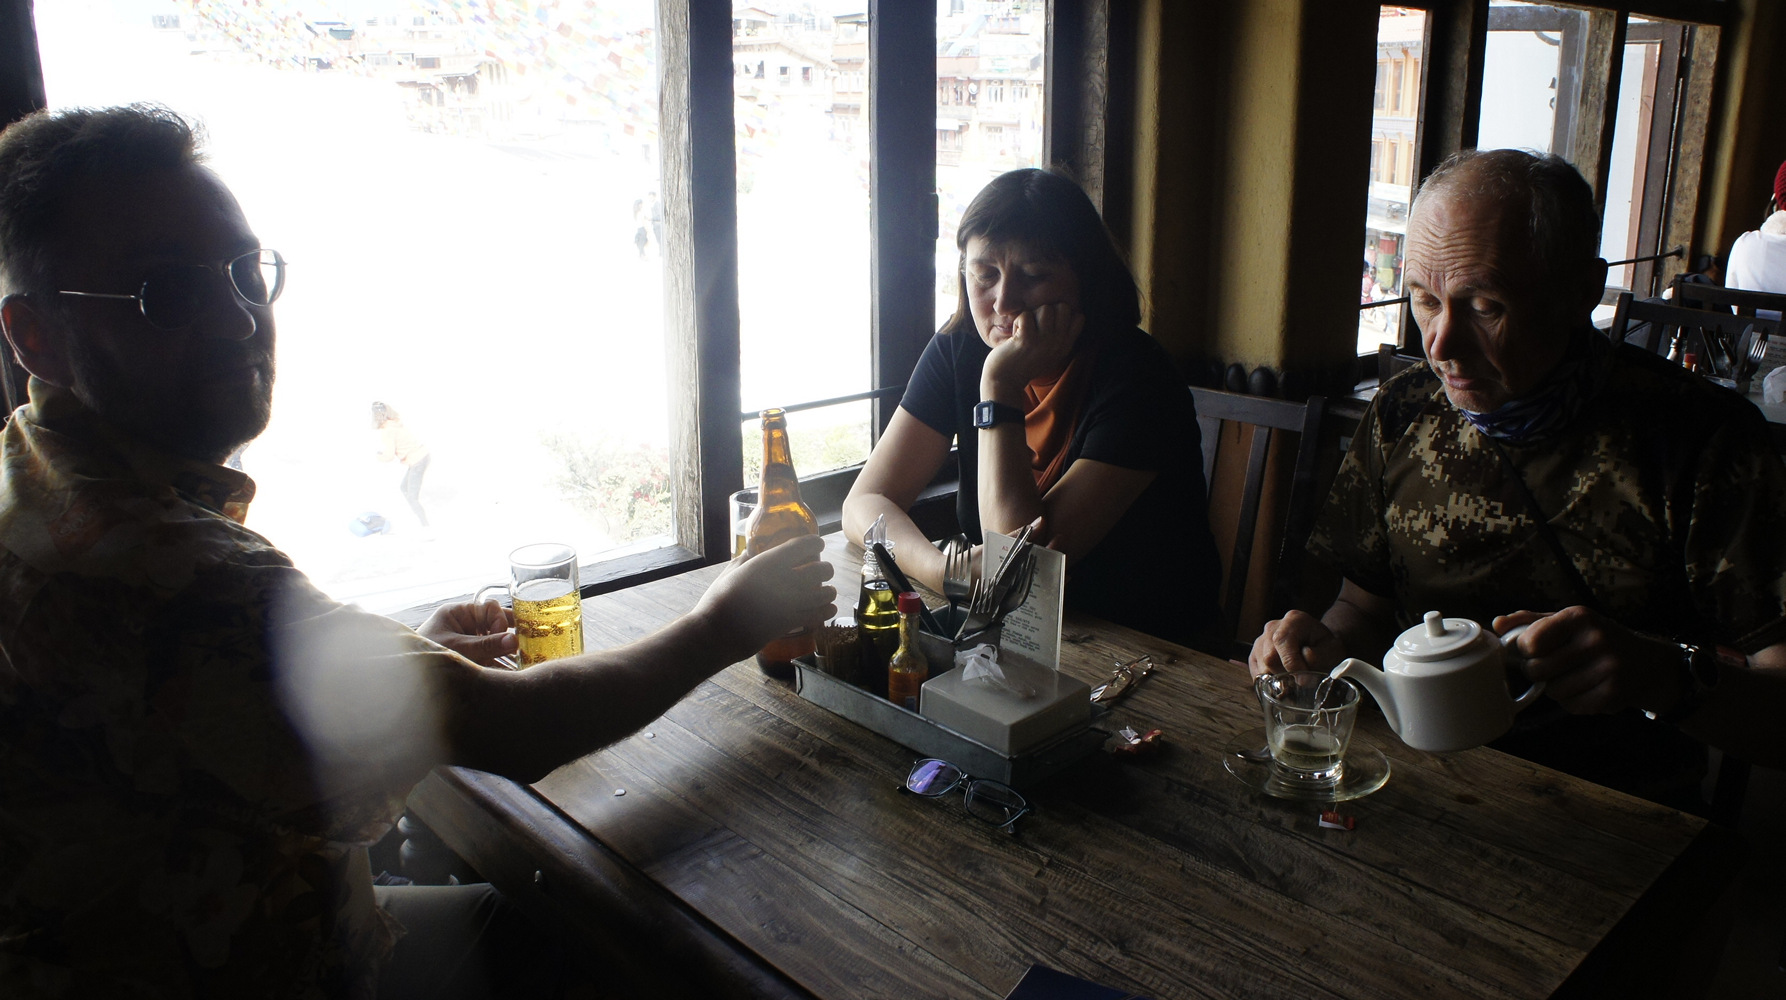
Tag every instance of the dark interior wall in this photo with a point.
(1250, 163)
(1180, 95)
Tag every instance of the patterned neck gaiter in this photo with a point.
(1554, 404)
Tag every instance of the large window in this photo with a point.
(473, 213)
(803, 232)
(566, 296)
(1549, 80)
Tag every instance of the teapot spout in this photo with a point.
(1376, 683)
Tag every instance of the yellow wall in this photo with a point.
(1251, 165)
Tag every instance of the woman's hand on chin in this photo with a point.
(1039, 347)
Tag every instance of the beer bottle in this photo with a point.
(780, 515)
(909, 669)
(877, 612)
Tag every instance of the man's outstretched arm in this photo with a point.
(522, 724)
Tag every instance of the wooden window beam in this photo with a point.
(901, 190)
(701, 272)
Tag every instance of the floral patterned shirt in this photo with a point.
(191, 768)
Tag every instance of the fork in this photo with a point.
(957, 571)
(1757, 353)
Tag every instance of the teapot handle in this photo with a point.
(1530, 696)
(1537, 688)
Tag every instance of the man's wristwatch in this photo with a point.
(1699, 669)
(988, 413)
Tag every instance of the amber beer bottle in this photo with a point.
(780, 515)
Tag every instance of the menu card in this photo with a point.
(1775, 357)
(1033, 630)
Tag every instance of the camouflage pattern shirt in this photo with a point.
(184, 811)
(1663, 492)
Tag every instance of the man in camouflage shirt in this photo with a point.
(197, 745)
(1531, 471)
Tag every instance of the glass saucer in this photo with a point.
(1366, 770)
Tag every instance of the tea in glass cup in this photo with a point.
(548, 608)
(1307, 725)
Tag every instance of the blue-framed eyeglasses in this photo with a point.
(986, 800)
(175, 296)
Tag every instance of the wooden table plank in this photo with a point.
(778, 826)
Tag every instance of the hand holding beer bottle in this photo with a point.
(762, 597)
(780, 515)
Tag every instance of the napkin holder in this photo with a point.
(1001, 718)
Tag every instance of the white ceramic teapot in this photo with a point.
(1442, 685)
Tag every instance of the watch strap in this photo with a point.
(990, 413)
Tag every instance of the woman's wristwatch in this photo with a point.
(989, 413)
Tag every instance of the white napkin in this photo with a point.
(1773, 388)
(979, 665)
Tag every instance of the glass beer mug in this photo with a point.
(548, 609)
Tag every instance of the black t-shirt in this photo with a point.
(1157, 569)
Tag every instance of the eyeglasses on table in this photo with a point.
(986, 800)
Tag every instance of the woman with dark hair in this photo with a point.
(1063, 409)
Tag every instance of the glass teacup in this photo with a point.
(1307, 740)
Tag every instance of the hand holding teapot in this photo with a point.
(1443, 685)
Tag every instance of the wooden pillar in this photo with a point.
(701, 274)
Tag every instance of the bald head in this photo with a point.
(1540, 204)
(1501, 272)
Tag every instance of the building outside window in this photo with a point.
(991, 50)
(1401, 41)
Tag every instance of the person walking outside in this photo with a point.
(398, 442)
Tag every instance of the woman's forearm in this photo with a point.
(1008, 495)
(917, 558)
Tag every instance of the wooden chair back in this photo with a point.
(1717, 298)
(1235, 421)
(1391, 361)
(1714, 334)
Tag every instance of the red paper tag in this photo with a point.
(1332, 820)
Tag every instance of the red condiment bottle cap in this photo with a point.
(910, 603)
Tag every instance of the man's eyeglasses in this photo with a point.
(175, 296)
(986, 800)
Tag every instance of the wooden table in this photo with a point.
(760, 848)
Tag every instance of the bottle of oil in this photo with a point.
(909, 669)
(780, 515)
(877, 612)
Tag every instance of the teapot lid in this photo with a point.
(1437, 638)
